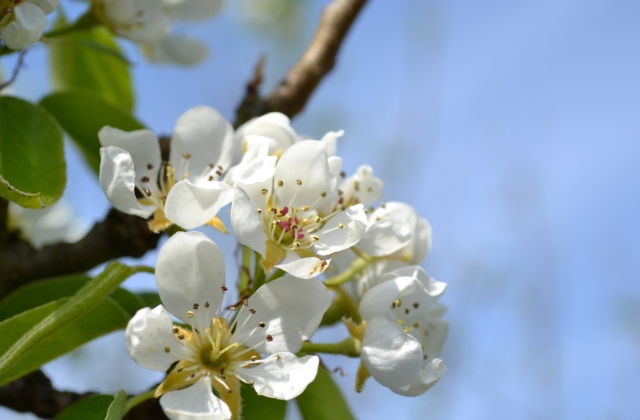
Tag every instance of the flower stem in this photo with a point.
(276, 275)
(245, 273)
(259, 277)
(349, 347)
(356, 267)
(139, 399)
(84, 22)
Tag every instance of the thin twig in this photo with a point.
(16, 69)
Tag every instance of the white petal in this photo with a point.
(303, 268)
(377, 301)
(305, 161)
(47, 6)
(393, 357)
(432, 286)
(282, 375)
(148, 335)
(291, 308)
(205, 135)
(422, 242)
(195, 403)
(258, 175)
(178, 49)
(190, 269)
(142, 145)
(385, 237)
(274, 126)
(27, 27)
(363, 186)
(190, 206)
(117, 181)
(335, 165)
(373, 274)
(257, 147)
(194, 9)
(331, 140)
(246, 222)
(152, 28)
(334, 239)
(428, 376)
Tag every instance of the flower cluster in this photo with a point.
(23, 22)
(300, 218)
(149, 22)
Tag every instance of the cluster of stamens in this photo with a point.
(402, 313)
(212, 350)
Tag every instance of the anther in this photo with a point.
(323, 194)
(245, 302)
(406, 311)
(176, 330)
(253, 311)
(343, 208)
(416, 325)
(148, 192)
(222, 374)
(149, 166)
(259, 211)
(357, 185)
(280, 183)
(190, 314)
(299, 181)
(167, 349)
(145, 179)
(224, 289)
(416, 304)
(229, 391)
(254, 358)
(264, 191)
(304, 208)
(210, 165)
(250, 383)
(274, 210)
(181, 337)
(219, 172)
(343, 174)
(269, 338)
(186, 155)
(211, 177)
(383, 205)
(262, 324)
(317, 219)
(296, 245)
(195, 306)
(340, 192)
(398, 302)
(206, 304)
(315, 238)
(341, 225)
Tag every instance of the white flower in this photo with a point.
(193, 10)
(274, 127)
(276, 210)
(404, 332)
(176, 49)
(142, 21)
(23, 25)
(186, 190)
(47, 226)
(214, 351)
(395, 230)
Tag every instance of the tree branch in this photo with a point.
(291, 96)
(118, 235)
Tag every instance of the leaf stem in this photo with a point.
(356, 267)
(139, 399)
(350, 347)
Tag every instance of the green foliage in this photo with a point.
(150, 299)
(323, 400)
(82, 114)
(51, 330)
(256, 407)
(91, 60)
(32, 165)
(106, 317)
(97, 407)
(44, 291)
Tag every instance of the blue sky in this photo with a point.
(513, 127)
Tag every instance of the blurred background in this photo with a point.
(512, 126)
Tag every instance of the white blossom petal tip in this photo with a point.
(195, 403)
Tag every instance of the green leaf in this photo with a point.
(82, 114)
(47, 290)
(104, 318)
(96, 407)
(66, 323)
(150, 299)
(91, 60)
(117, 407)
(32, 165)
(256, 407)
(323, 400)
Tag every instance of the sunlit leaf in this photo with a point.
(323, 400)
(96, 407)
(91, 60)
(117, 407)
(106, 317)
(32, 165)
(82, 114)
(256, 407)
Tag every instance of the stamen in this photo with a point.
(264, 191)
(298, 181)
(280, 183)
